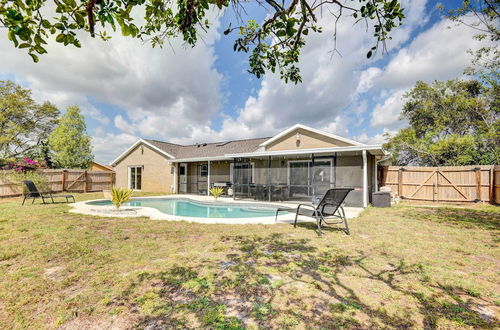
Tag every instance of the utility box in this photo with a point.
(381, 199)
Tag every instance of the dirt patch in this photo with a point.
(54, 273)
(115, 322)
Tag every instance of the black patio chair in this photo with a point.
(34, 193)
(329, 206)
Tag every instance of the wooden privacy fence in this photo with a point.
(63, 180)
(442, 184)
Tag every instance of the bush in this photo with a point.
(120, 196)
(216, 192)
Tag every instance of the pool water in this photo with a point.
(189, 208)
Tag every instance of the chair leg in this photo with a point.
(296, 216)
(318, 222)
(33, 201)
(343, 217)
(24, 199)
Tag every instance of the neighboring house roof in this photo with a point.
(101, 166)
(236, 148)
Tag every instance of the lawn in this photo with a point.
(401, 267)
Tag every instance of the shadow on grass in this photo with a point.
(466, 218)
(278, 281)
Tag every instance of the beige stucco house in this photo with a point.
(295, 164)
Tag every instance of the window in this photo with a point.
(182, 170)
(135, 177)
(203, 170)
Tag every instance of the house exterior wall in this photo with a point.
(157, 174)
(308, 140)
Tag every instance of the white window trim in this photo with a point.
(129, 183)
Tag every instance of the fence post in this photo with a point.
(492, 185)
(85, 182)
(478, 184)
(400, 182)
(63, 179)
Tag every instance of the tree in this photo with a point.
(24, 124)
(450, 123)
(70, 142)
(273, 45)
(484, 17)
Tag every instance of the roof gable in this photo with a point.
(136, 144)
(312, 132)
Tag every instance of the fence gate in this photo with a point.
(441, 184)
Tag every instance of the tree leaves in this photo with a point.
(70, 141)
(451, 123)
(24, 122)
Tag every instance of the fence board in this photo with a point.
(59, 180)
(445, 183)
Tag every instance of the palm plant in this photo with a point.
(216, 192)
(120, 196)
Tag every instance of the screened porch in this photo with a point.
(300, 177)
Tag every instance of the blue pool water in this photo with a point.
(189, 208)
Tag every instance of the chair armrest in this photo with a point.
(303, 205)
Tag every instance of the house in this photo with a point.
(296, 164)
(95, 166)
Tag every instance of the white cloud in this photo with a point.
(379, 138)
(331, 84)
(170, 93)
(387, 113)
(439, 53)
(366, 79)
(109, 146)
(123, 125)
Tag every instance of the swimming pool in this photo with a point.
(198, 209)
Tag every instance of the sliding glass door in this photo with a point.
(306, 179)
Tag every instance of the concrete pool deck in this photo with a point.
(154, 214)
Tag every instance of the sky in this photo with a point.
(128, 90)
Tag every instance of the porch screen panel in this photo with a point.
(242, 177)
(299, 180)
(349, 174)
(321, 175)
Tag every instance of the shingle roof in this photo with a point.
(208, 149)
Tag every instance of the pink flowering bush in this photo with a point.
(24, 165)
(16, 171)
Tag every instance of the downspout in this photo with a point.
(365, 180)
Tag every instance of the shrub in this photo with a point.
(216, 192)
(120, 196)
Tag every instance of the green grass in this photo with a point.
(401, 267)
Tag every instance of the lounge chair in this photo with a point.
(330, 205)
(34, 193)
